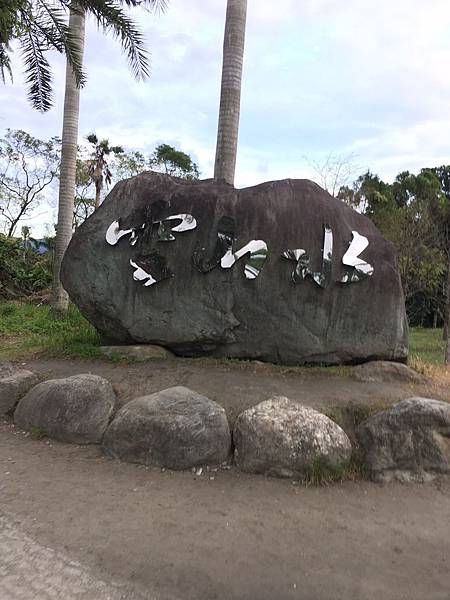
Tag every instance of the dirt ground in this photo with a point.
(224, 535)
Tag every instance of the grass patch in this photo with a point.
(36, 433)
(426, 346)
(320, 472)
(27, 330)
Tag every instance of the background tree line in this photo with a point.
(29, 177)
(413, 213)
(30, 169)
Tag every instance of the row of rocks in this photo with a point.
(179, 429)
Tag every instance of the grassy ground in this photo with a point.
(26, 330)
(427, 345)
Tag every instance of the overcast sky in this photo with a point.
(362, 77)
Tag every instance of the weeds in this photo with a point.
(321, 472)
(27, 330)
(426, 347)
(36, 433)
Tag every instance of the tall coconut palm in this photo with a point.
(230, 99)
(111, 17)
(60, 299)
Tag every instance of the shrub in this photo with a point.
(22, 271)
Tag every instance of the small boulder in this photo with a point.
(379, 371)
(76, 409)
(140, 353)
(175, 428)
(14, 383)
(408, 442)
(285, 439)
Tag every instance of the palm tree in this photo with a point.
(97, 165)
(40, 26)
(110, 16)
(60, 299)
(230, 99)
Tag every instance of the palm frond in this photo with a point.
(39, 78)
(5, 63)
(154, 5)
(51, 23)
(111, 17)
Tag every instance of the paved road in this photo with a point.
(32, 571)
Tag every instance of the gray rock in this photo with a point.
(14, 383)
(219, 311)
(76, 409)
(408, 442)
(285, 439)
(175, 428)
(6, 369)
(382, 370)
(139, 353)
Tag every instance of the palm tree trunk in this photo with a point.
(60, 299)
(230, 98)
(98, 190)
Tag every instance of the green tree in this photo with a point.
(405, 213)
(28, 166)
(97, 165)
(165, 158)
(174, 162)
(131, 163)
(443, 220)
(230, 98)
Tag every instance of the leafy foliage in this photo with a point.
(41, 25)
(412, 213)
(22, 271)
(29, 167)
(165, 159)
(130, 164)
(174, 162)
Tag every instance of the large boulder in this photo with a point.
(203, 268)
(76, 409)
(408, 442)
(14, 383)
(175, 428)
(285, 439)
